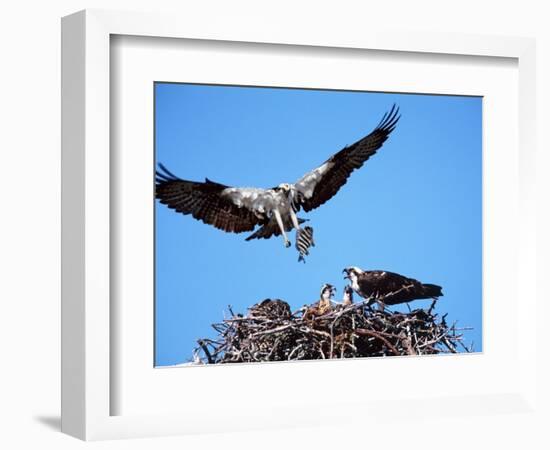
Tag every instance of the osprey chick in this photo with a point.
(348, 296)
(239, 209)
(324, 304)
(388, 288)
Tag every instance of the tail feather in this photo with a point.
(432, 290)
(271, 228)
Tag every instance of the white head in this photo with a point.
(285, 187)
(352, 272)
(327, 291)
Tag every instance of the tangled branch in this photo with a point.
(271, 332)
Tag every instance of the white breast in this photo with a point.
(255, 199)
(354, 284)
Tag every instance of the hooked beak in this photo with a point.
(347, 274)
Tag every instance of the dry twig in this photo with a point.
(270, 332)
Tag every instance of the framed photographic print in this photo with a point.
(246, 208)
(282, 309)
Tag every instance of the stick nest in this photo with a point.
(271, 332)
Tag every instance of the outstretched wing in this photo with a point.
(204, 201)
(322, 183)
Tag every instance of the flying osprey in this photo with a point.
(239, 209)
(388, 288)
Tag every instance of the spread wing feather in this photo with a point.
(204, 202)
(322, 183)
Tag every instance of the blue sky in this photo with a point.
(413, 208)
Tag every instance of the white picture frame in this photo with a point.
(88, 331)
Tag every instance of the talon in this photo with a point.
(287, 244)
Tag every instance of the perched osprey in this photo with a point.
(239, 209)
(388, 288)
(348, 296)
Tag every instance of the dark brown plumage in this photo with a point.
(204, 202)
(272, 229)
(273, 210)
(270, 308)
(389, 288)
(350, 158)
